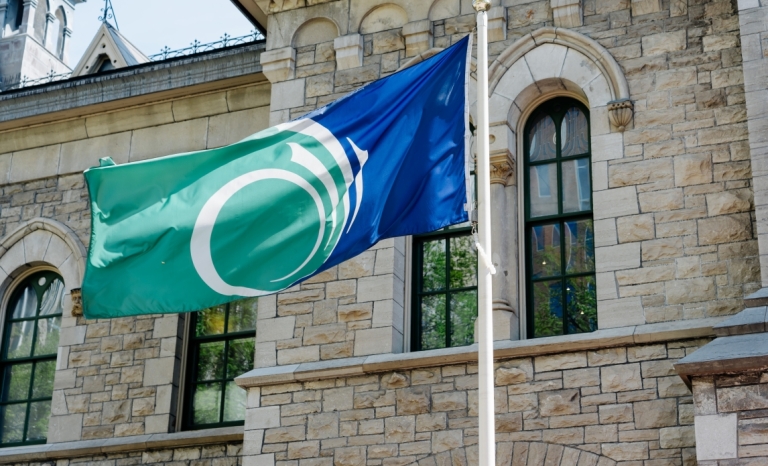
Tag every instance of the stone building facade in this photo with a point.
(674, 94)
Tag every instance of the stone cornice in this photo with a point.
(121, 445)
(503, 349)
(149, 81)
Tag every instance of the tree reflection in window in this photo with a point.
(30, 344)
(222, 345)
(561, 294)
(445, 289)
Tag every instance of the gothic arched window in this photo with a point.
(28, 360)
(560, 252)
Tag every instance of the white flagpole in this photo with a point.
(487, 443)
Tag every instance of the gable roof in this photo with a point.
(108, 42)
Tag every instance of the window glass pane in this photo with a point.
(463, 262)
(44, 372)
(211, 321)
(542, 139)
(548, 308)
(51, 303)
(542, 191)
(210, 362)
(240, 357)
(582, 304)
(463, 316)
(13, 422)
(39, 412)
(576, 186)
(234, 403)
(47, 341)
(242, 315)
(433, 265)
(545, 250)
(579, 247)
(574, 133)
(433, 322)
(20, 339)
(16, 382)
(207, 403)
(26, 304)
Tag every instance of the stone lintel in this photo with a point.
(279, 64)
(626, 336)
(349, 51)
(757, 299)
(750, 320)
(726, 355)
(96, 447)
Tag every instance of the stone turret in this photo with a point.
(34, 38)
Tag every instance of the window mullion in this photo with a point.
(224, 382)
(447, 293)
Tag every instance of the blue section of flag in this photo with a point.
(414, 125)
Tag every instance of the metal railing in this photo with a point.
(166, 53)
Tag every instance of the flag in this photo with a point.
(190, 231)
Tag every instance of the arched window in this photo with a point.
(59, 23)
(222, 345)
(560, 257)
(14, 13)
(30, 342)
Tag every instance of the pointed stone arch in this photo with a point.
(550, 60)
(43, 242)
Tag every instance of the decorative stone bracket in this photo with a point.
(77, 302)
(502, 169)
(620, 113)
(349, 51)
(418, 37)
(497, 24)
(567, 13)
(279, 64)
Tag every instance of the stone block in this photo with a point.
(626, 451)
(654, 44)
(716, 437)
(288, 94)
(126, 120)
(258, 95)
(447, 440)
(199, 106)
(65, 428)
(607, 147)
(620, 257)
(374, 341)
(616, 202)
(262, 418)
(561, 361)
(635, 228)
(349, 51)
(677, 437)
(655, 414)
(621, 378)
(559, 402)
(175, 138)
(32, 164)
(280, 328)
(78, 156)
(338, 399)
(159, 371)
(644, 7)
(418, 37)
(724, 229)
(693, 169)
(279, 64)
(613, 414)
(298, 355)
(230, 128)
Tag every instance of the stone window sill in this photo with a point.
(121, 445)
(350, 367)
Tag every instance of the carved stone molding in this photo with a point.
(502, 171)
(620, 113)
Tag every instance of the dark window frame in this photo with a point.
(417, 282)
(6, 364)
(190, 380)
(556, 109)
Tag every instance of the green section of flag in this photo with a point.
(262, 238)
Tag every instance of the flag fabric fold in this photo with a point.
(191, 231)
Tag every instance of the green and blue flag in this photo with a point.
(191, 231)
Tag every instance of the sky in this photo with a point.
(152, 24)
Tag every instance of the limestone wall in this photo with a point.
(602, 407)
(673, 202)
